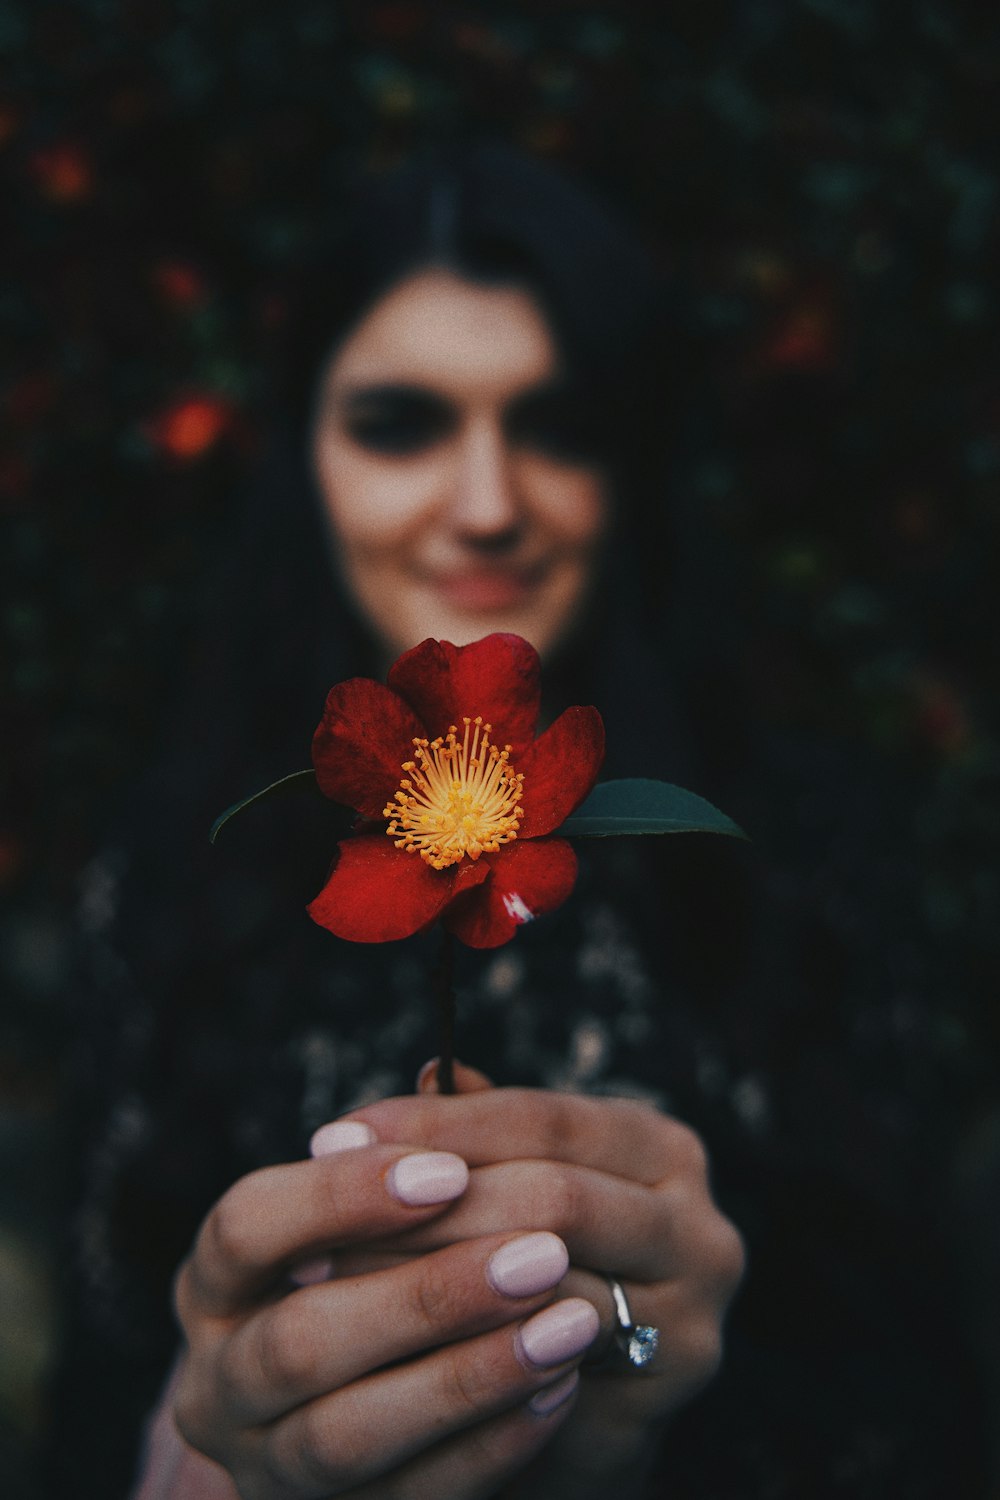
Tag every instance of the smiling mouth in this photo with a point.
(487, 588)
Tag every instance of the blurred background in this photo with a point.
(821, 178)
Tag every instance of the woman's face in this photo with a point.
(452, 464)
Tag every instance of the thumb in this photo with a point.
(467, 1080)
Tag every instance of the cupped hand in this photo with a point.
(442, 1374)
(627, 1190)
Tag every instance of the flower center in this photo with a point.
(460, 797)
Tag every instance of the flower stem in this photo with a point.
(444, 977)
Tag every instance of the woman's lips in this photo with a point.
(485, 588)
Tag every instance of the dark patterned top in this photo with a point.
(717, 982)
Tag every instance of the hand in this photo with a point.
(627, 1189)
(442, 1375)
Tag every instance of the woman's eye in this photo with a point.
(398, 422)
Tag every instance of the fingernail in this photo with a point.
(427, 1072)
(522, 1268)
(553, 1396)
(559, 1332)
(341, 1135)
(427, 1177)
(311, 1272)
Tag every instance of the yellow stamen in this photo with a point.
(457, 798)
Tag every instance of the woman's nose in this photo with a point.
(485, 500)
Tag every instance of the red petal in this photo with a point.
(526, 881)
(497, 677)
(363, 738)
(378, 893)
(560, 768)
(469, 873)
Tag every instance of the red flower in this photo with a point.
(466, 820)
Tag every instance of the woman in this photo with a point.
(486, 438)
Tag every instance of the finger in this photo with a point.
(608, 1223)
(467, 1080)
(276, 1217)
(612, 1135)
(326, 1445)
(714, 1270)
(322, 1338)
(646, 1301)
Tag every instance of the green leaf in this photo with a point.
(297, 781)
(638, 805)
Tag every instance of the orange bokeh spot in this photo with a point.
(804, 341)
(189, 428)
(179, 284)
(64, 173)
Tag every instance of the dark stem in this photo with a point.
(444, 976)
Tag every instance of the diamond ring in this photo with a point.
(638, 1342)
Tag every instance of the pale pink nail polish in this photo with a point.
(312, 1272)
(546, 1401)
(341, 1135)
(529, 1265)
(559, 1332)
(427, 1177)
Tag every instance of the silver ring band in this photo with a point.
(638, 1342)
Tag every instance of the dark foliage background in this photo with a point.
(821, 177)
